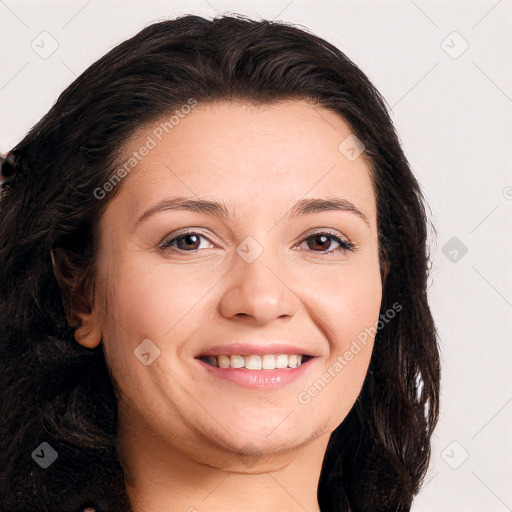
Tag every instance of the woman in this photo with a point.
(213, 284)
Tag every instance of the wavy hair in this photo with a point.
(57, 391)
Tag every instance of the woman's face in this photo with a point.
(256, 276)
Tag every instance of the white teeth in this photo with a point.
(224, 361)
(281, 361)
(268, 362)
(256, 362)
(237, 362)
(252, 362)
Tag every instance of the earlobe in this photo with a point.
(89, 333)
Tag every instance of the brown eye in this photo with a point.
(186, 242)
(320, 242)
(189, 241)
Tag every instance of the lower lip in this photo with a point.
(258, 379)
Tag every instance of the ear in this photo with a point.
(73, 273)
(89, 333)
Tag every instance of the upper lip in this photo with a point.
(248, 349)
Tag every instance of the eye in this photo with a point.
(190, 241)
(187, 242)
(323, 240)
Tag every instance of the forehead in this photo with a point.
(249, 156)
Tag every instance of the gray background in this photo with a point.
(444, 71)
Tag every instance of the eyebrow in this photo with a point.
(219, 209)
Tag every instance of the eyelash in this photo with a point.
(345, 245)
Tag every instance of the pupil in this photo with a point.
(324, 237)
(187, 239)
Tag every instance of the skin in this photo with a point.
(189, 441)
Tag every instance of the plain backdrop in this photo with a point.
(444, 68)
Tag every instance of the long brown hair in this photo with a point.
(56, 391)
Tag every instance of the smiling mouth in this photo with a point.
(257, 362)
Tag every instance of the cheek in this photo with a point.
(349, 313)
(350, 302)
(152, 301)
(141, 305)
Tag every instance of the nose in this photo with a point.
(258, 292)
